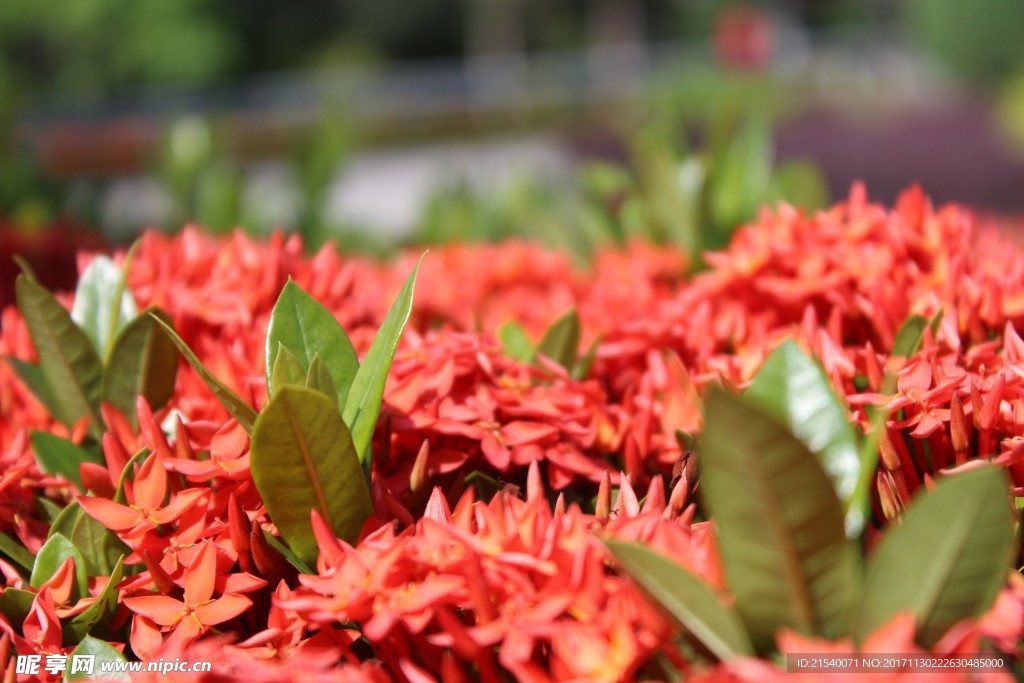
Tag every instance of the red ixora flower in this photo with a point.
(198, 610)
(147, 509)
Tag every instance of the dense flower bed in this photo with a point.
(446, 585)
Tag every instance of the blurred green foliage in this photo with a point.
(982, 40)
(667, 193)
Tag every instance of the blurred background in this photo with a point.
(578, 123)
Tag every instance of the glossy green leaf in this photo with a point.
(16, 552)
(51, 556)
(561, 342)
(363, 405)
(100, 547)
(515, 342)
(319, 378)
(103, 652)
(60, 456)
(946, 561)
(302, 457)
(100, 611)
(288, 371)
(15, 604)
(780, 524)
(794, 390)
(236, 405)
(143, 362)
(686, 598)
(307, 329)
(95, 306)
(32, 377)
(67, 357)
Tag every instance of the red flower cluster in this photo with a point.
(443, 585)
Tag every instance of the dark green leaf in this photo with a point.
(946, 561)
(100, 611)
(67, 357)
(288, 371)
(32, 377)
(364, 399)
(143, 362)
(17, 553)
(794, 390)
(686, 598)
(103, 652)
(515, 342)
(239, 409)
(51, 556)
(303, 458)
(307, 329)
(15, 604)
(60, 456)
(95, 307)
(319, 378)
(780, 524)
(561, 342)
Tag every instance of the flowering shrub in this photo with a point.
(285, 510)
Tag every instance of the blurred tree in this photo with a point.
(88, 47)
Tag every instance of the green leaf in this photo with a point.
(96, 311)
(909, 337)
(236, 405)
(60, 456)
(686, 598)
(100, 611)
(946, 561)
(67, 357)
(48, 510)
(307, 329)
(741, 174)
(15, 604)
(794, 390)
(121, 296)
(143, 362)
(582, 367)
(16, 552)
(103, 653)
(100, 547)
(780, 524)
(51, 556)
(561, 342)
(303, 458)
(319, 378)
(285, 552)
(287, 370)
(32, 377)
(515, 342)
(65, 522)
(367, 392)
